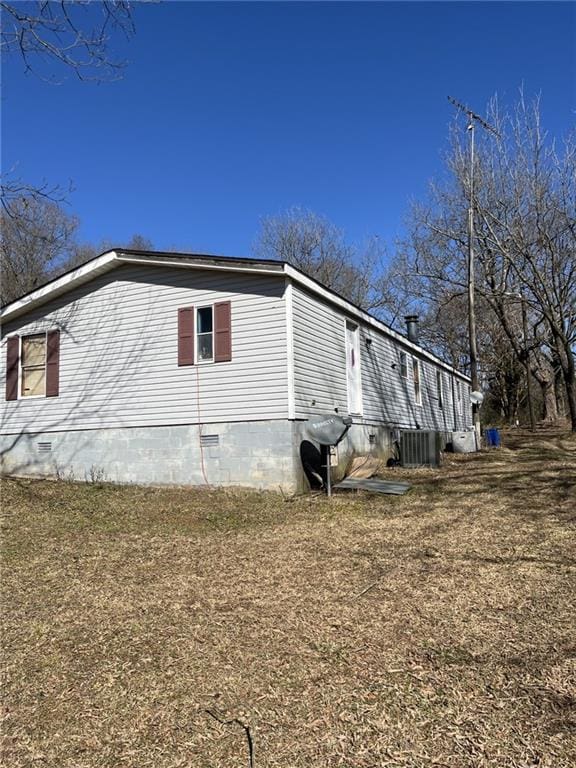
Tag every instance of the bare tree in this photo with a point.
(138, 242)
(38, 243)
(37, 236)
(316, 246)
(527, 234)
(83, 252)
(505, 388)
(525, 240)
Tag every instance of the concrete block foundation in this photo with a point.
(262, 454)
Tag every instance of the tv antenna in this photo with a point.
(473, 118)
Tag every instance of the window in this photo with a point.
(33, 366)
(439, 391)
(417, 387)
(403, 365)
(205, 334)
(458, 397)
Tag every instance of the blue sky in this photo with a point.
(230, 112)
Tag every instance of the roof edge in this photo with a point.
(204, 257)
(117, 256)
(201, 261)
(59, 285)
(335, 298)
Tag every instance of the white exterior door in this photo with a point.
(353, 378)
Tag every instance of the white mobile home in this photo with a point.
(171, 368)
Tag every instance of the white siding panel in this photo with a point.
(118, 355)
(387, 397)
(319, 356)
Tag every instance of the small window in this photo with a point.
(458, 397)
(33, 378)
(439, 390)
(403, 365)
(417, 387)
(205, 334)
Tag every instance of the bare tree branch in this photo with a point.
(313, 244)
(72, 35)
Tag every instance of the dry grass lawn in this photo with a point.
(434, 629)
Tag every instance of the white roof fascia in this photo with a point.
(60, 285)
(334, 298)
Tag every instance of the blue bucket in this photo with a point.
(492, 436)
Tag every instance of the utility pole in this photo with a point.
(473, 118)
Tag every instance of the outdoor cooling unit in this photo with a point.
(328, 430)
(419, 448)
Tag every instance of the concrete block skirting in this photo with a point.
(260, 454)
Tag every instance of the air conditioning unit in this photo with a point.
(419, 448)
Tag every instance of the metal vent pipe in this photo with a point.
(412, 328)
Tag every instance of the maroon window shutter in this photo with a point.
(186, 336)
(12, 355)
(52, 363)
(222, 332)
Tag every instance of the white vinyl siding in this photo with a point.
(319, 339)
(387, 395)
(119, 359)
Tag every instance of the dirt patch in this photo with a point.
(432, 629)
